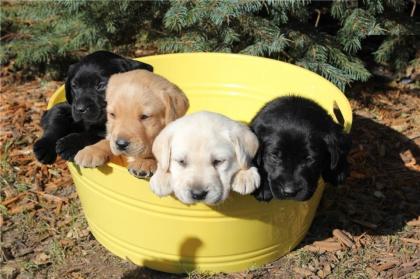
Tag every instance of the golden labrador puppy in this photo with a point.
(204, 155)
(139, 105)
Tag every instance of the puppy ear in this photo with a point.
(160, 181)
(245, 142)
(246, 145)
(338, 144)
(67, 87)
(176, 103)
(162, 149)
(261, 130)
(130, 64)
(258, 158)
(332, 147)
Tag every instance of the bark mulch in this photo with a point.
(367, 228)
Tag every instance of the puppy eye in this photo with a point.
(309, 160)
(144, 117)
(274, 158)
(100, 86)
(217, 162)
(111, 114)
(182, 163)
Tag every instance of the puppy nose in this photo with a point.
(122, 144)
(81, 108)
(198, 194)
(290, 190)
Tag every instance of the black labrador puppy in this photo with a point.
(79, 122)
(299, 143)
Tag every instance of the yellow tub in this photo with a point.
(241, 233)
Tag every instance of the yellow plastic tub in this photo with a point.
(164, 234)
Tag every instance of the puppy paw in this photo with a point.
(44, 150)
(246, 181)
(142, 168)
(67, 147)
(140, 173)
(341, 177)
(160, 184)
(335, 177)
(91, 157)
(263, 194)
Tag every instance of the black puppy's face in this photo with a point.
(87, 80)
(292, 162)
(88, 87)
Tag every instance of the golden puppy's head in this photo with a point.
(139, 105)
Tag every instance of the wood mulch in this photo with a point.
(367, 228)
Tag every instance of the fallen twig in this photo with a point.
(13, 199)
(343, 238)
(365, 224)
(410, 240)
(415, 222)
(385, 266)
(330, 246)
(22, 208)
(51, 198)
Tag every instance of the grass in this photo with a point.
(42, 227)
(8, 175)
(74, 210)
(349, 264)
(57, 253)
(30, 266)
(305, 257)
(21, 187)
(415, 275)
(407, 250)
(3, 211)
(28, 222)
(199, 275)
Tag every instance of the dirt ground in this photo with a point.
(367, 228)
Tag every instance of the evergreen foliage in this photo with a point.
(56, 33)
(327, 37)
(286, 30)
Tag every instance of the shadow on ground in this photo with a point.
(187, 252)
(379, 197)
(383, 191)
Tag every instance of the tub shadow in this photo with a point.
(380, 196)
(105, 169)
(187, 252)
(78, 168)
(383, 192)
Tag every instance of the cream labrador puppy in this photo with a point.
(202, 156)
(139, 105)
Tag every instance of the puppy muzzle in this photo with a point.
(121, 146)
(290, 190)
(88, 111)
(198, 193)
(208, 194)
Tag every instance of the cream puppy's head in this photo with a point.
(139, 105)
(202, 156)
